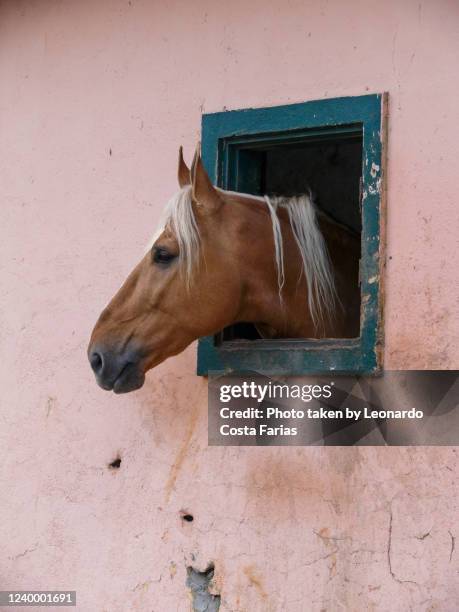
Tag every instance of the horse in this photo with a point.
(219, 258)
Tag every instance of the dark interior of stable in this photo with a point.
(330, 166)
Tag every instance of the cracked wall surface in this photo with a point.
(95, 100)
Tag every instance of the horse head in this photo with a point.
(218, 258)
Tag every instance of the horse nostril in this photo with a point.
(96, 362)
(116, 370)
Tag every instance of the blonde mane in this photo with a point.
(302, 214)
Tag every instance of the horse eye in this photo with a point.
(161, 255)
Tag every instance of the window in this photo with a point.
(335, 148)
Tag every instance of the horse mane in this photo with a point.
(302, 214)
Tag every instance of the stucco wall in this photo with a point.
(95, 98)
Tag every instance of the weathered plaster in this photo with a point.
(94, 102)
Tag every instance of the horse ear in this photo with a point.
(183, 172)
(204, 193)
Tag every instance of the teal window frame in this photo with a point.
(224, 135)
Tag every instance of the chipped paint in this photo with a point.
(374, 169)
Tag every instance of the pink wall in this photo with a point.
(289, 530)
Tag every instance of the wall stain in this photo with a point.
(255, 580)
(181, 454)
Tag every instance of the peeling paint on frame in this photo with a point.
(363, 355)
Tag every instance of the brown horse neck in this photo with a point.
(289, 317)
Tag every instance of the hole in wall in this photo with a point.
(115, 464)
(199, 583)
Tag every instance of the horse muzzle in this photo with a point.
(115, 371)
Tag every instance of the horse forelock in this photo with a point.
(322, 297)
(178, 216)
